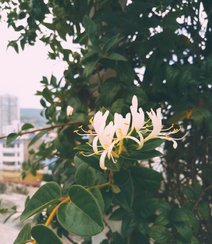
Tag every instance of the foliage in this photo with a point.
(165, 39)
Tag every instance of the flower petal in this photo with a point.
(102, 160)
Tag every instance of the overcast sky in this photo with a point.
(20, 74)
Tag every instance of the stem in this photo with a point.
(46, 128)
(100, 186)
(51, 216)
(200, 197)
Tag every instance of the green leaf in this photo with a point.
(115, 189)
(152, 144)
(188, 192)
(47, 94)
(10, 138)
(117, 238)
(148, 207)
(92, 161)
(125, 196)
(197, 189)
(140, 155)
(43, 197)
(111, 42)
(107, 197)
(109, 90)
(194, 240)
(118, 214)
(43, 235)
(53, 81)
(27, 126)
(121, 177)
(192, 219)
(116, 56)
(98, 196)
(24, 234)
(82, 216)
(37, 137)
(85, 175)
(203, 209)
(143, 226)
(184, 229)
(89, 67)
(146, 179)
(159, 233)
(91, 30)
(162, 219)
(126, 73)
(128, 224)
(163, 206)
(177, 214)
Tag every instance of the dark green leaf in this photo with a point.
(184, 229)
(128, 224)
(145, 178)
(10, 138)
(192, 219)
(188, 192)
(203, 209)
(109, 90)
(140, 155)
(162, 219)
(43, 235)
(27, 126)
(159, 233)
(177, 214)
(118, 214)
(116, 56)
(98, 196)
(83, 208)
(43, 197)
(85, 175)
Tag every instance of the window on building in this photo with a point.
(10, 146)
(8, 154)
(17, 144)
(18, 154)
(9, 163)
(19, 163)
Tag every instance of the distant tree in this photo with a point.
(159, 51)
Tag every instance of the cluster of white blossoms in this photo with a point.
(111, 136)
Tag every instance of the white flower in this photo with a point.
(99, 120)
(69, 110)
(122, 127)
(105, 137)
(137, 119)
(157, 131)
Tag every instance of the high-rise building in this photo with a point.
(9, 114)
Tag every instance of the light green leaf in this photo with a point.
(43, 197)
(24, 234)
(82, 216)
(43, 235)
(116, 56)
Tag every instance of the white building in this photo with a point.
(9, 114)
(11, 157)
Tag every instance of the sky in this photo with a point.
(20, 74)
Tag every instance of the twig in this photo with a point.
(46, 128)
(200, 197)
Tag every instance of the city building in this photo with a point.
(12, 156)
(9, 114)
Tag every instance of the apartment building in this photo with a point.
(9, 114)
(12, 156)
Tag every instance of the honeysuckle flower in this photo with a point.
(99, 120)
(122, 128)
(157, 131)
(105, 137)
(137, 119)
(69, 110)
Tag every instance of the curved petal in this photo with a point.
(95, 140)
(102, 160)
(134, 139)
(111, 148)
(141, 141)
